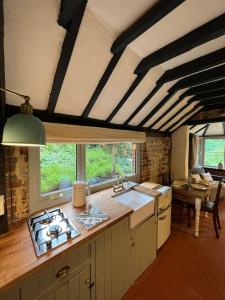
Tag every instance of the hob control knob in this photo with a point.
(68, 233)
(49, 244)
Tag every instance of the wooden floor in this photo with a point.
(186, 267)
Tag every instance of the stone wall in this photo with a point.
(17, 182)
(155, 160)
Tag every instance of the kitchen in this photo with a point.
(94, 130)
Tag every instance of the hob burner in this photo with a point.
(50, 229)
(54, 230)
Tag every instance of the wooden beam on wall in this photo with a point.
(203, 34)
(3, 218)
(67, 49)
(44, 116)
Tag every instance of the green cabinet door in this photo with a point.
(143, 246)
(76, 288)
(120, 259)
(103, 266)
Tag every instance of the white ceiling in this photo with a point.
(33, 42)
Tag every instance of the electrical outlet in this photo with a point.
(2, 202)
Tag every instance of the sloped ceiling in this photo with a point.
(213, 129)
(33, 45)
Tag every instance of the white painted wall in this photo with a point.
(179, 154)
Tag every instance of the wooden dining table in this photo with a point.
(194, 196)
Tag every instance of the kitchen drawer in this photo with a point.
(164, 200)
(73, 259)
(164, 227)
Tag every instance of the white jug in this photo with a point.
(80, 191)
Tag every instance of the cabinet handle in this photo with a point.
(133, 244)
(62, 273)
(163, 218)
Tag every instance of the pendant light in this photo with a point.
(23, 129)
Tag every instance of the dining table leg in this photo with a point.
(197, 215)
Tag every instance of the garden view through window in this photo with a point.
(103, 162)
(214, 152)
(58, 167)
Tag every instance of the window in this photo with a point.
(58, 167)
(214, 152)
(105, 162)
(54, 168)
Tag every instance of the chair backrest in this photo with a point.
(217, 199)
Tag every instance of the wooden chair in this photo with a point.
(212, 208)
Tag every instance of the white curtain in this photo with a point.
(63, 133)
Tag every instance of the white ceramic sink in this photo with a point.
(142, 204)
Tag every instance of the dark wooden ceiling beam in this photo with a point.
(102, 82)
(182, 118)
(196, 122)
(195, 79)
(156, 109)
(181, 97)
(132, 87)
(203, 34)
(207, 87)
(143, 103)
(174, 116)
(206, 129)
(197, 65)
(67, 49)
(44, 116)
(211, 102)
(151, 17)
(207, 76)
(223, 128)
(208, 95)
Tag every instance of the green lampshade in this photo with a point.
(23, 130)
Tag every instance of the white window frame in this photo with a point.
(39, 202)
(201, 154)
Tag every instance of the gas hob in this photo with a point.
(50, 229)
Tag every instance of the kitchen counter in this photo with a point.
(17, 253)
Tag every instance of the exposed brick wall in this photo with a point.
(155, 159)
(17, 182)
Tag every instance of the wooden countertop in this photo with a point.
(17, 253)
